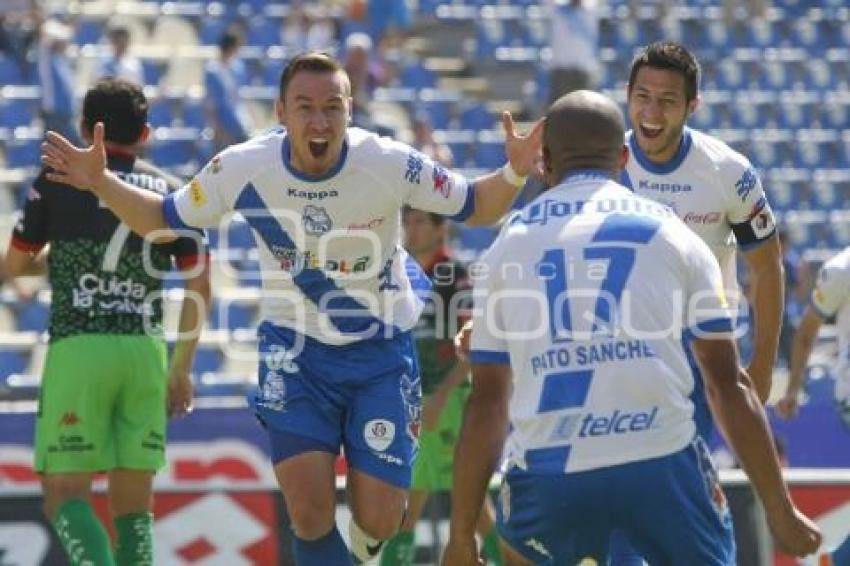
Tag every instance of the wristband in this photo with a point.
(511, 176)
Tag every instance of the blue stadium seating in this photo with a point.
(32, 315)
(23, 152)
(207, 359)
(417, 76)
(13, 361)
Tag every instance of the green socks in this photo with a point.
(399, 550)
(135, 539)
(491, 548)
(81, 533)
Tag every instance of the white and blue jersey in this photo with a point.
(329, 247)
(588, 292)
(831, 298)
(337, 362)
(714, 190)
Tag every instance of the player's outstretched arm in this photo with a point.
(804, 340)
(85, 169)
(740, 414)
(482, 436)
(768, 290)
(496, 192)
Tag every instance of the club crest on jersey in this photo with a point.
(442, 181)
(316, 220)
(273, 392)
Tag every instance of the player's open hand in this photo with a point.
(461, 553)
(81, 168)
(794, 533)
(179, 400)
(523, 150)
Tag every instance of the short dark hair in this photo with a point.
(436, 219)
(230, 39)
(670, 56)
(312, 61)
(120, 105)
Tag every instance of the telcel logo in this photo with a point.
(618, 422)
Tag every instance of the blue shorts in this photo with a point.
(365, 397)
(672, 509)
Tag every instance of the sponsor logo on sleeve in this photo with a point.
(215, 165)
(196, 193)
(762, 221)
(702, 218)
(442, 181)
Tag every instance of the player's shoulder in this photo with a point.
(252, 155)
(718, 153)
(839, 263)
(369, 145)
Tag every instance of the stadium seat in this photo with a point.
(13, 361)
(476, 116)
(208, 359)
(10, 72)
(231, 315)
(161, 113)
(489, 154)
(88, 31)
(417, 76)
(32, 315)
(23, 152)
(263, 32)
(194, 114)
(16, 112)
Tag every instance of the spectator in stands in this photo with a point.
(19, 23)
(388, 21)
(572, 476)
(574, 42)
(830, 298)
(223, 76)
(423, 140)
(56, 78)
(106, 389)
(337, 360)
(365, 74)
(120, 63)
(305, 30)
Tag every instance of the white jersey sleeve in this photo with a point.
(749, 212)
(210, 194)
(488, 342)
(832, 287)
(425, 184)
(707, 309)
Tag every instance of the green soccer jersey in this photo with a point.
(103, 277)
(434, 332)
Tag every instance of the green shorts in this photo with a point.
(102, 404)
(435, 463)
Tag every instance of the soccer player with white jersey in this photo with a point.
(830, 298)
(338, 366)
(715, 190)
(580, 371)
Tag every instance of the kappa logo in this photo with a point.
(379, 434)
(316, 220)
(70, 418)
(312, 195)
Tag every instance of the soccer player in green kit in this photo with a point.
(106, 389)
(445, 382)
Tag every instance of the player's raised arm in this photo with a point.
(85, 169)
(496, 192)
(739, 413)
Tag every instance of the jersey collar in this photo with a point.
(662, 168)
(286, 154)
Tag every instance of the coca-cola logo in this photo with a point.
(701, 218)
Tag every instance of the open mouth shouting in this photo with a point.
(650, 131)
(318, 147)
